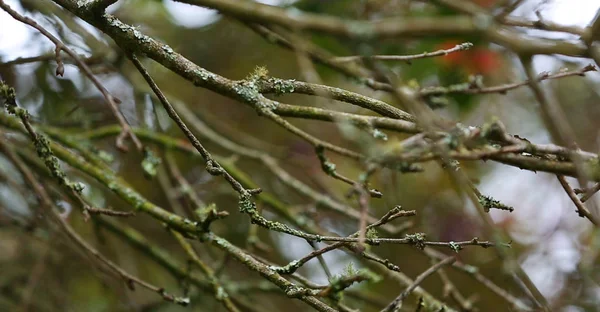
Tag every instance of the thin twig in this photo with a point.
(474, 89)
(397, 303)
(475, 273)
(108, 212)
(363, 203)
(555, 121)
(450, 290)
(459, 47)
(92, 60)
(590, 192)
(543, 24)
(329, 168)
(581, 209)
(507, 10)
(218, 290)
(212, 166)
(316, 142)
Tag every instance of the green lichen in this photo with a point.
(349, 276)
(245, 204)
(134, 199)
(112, 185)
(143, 39)
(247, 90)
(470, 269)
(378, 134)
(266, 104)
(9, 95)
(281, 86)
(287, 269)
(167, 49)
(372, 234)
(41, 142)
(417, 239)
(406, 167)
(259, 73)
(294, 291)
(150, 163)
(327, 166)
(202, 76)
(42, 146)
(182, 301)
(221, 294)
(206, 215)
(490, 203)
(81, 4)
(454, 246)
(76, 186)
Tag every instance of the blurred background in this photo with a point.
(556, 248)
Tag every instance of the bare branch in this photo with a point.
(443, 52)
(581, 210)
(397, 303)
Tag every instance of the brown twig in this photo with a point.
(442, 52)
(581, 209)
(588, 193)
(218, 290)
(474, 89)
(477, 275)
(555, 121)
(450, 290)
(542, 24)
(92, 60)
(397, 303)
(108, 212)
(212, 166)
(363, 204)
